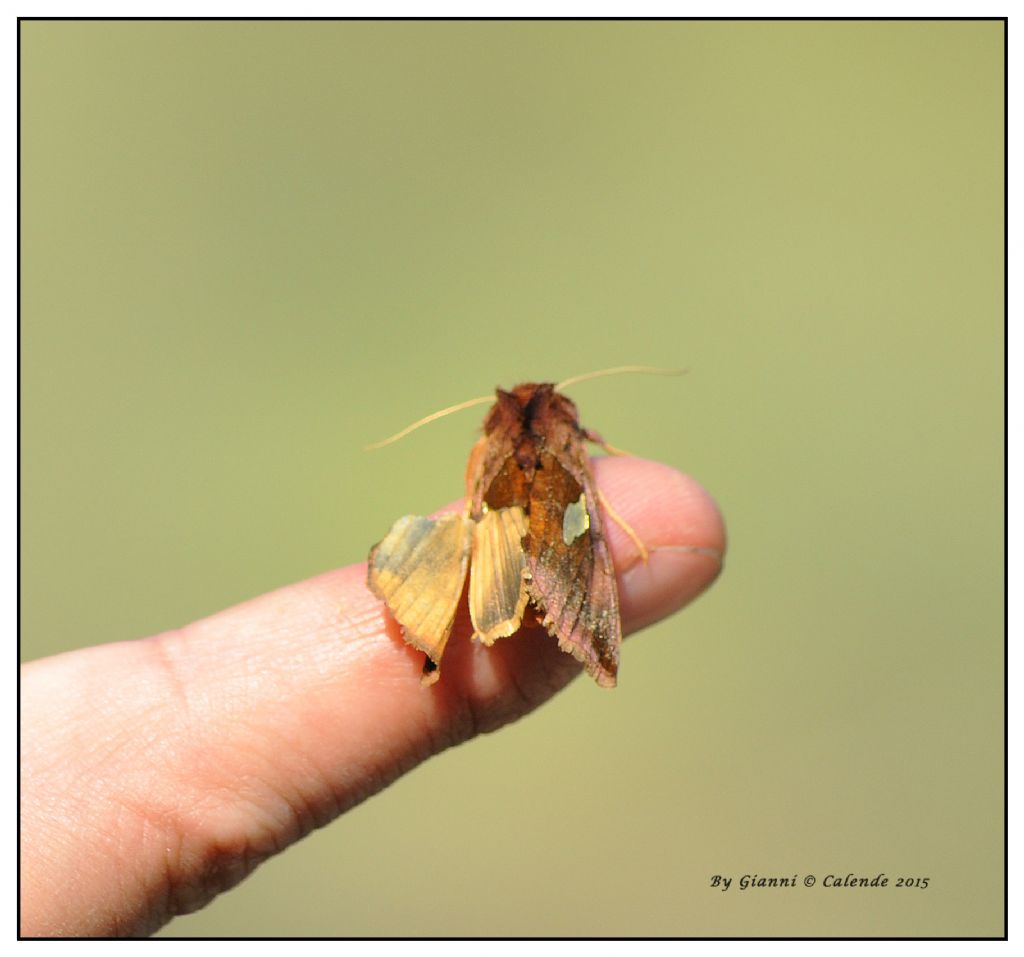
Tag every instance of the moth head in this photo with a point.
(525, 402)
(528, 403)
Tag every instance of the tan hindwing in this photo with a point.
(497, 592)
(418, 570)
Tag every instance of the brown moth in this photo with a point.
(531, 534)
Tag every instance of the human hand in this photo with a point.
(157, 773)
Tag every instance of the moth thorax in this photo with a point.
(528, 454)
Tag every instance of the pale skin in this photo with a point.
(156, 774)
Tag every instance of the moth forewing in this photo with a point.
(497, 592)
(418, 570)
(570, 573)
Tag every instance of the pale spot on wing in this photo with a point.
(576, 519)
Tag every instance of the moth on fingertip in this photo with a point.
(531, 534)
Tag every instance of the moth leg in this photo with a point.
(592, 436)
(624, 525)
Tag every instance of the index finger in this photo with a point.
(173, 765)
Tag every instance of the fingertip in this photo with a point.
(680, 525)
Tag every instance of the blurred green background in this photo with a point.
(250, 248)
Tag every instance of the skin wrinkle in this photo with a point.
(304, 812)
(226, 836)
(166, 662)
(183, 845)
(282, 804)
(223, 865)
(316, 813)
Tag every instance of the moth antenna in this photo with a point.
(468, 404)
(617, 370)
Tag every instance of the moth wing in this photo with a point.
(570, 575)
(497, 591)
(418, 570)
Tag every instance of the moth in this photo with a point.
(531, 536)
